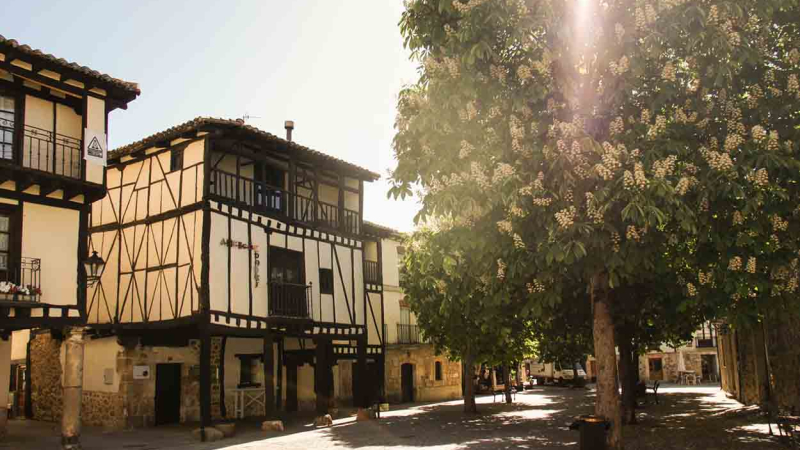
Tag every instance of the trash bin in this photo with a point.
(593, 431)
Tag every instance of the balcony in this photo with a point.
(270, 200)
(289, 300)
(706, 343)
(409, 334)
(21, 280)
(51, 160)
(372, 272)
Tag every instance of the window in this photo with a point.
(326, 281)
(7, 111)
(9, 242)
(438, 371)
(248, 369)
(405, 316)
(286, 266)
(175, 159)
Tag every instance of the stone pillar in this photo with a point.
(269, 377)
(73, 389)
(321, 368)
(5, 374)
(362, 395)
(205, 383)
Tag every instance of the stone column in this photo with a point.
(73, 389)
(5, 374)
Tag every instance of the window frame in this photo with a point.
(438, 371)
(19, 120)
(277, 255)
(14, 212)
(176, 158)
(247, 360)
(326, 281)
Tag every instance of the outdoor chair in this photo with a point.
(501, 393)
(654, 389)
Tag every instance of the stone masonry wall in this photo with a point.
(46, 388)
(426, 388)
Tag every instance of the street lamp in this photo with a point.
(94, 267)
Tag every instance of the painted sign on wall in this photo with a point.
(95, 146)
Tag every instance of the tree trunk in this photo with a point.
(468, 369)
(607, 403)
(507, 382)
(627, 377)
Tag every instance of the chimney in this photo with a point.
(289, 125)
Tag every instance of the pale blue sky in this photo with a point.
(333, 66)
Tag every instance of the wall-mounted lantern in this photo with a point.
(94, 267)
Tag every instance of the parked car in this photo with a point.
(547, 373)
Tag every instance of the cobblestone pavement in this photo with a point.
(686, 418)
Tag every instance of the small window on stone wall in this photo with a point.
(438, 371)
(247, 370)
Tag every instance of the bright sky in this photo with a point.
(335, 67)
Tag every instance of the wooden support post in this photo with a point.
(205, 383)
(269, 378)
(279, 388)
(362, 396)
(321, 369)
(292, 188)
(342, 226)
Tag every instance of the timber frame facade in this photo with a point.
(215, 229)
(46, 103)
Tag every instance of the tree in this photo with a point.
(601, 133)
(459, 309)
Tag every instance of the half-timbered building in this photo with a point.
(236, 281)
(53, 123)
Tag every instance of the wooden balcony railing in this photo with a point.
(21, 280)
(372, 272)
(289, 300)
(274, 200)
(706, 343)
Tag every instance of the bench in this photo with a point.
(642, 389)
(501, 393)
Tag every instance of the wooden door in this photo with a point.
(407, 382)
(168, 393)
(291, 387)
(656, 367)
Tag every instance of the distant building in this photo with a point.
(698, 357)
(413, 372)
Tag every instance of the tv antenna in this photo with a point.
(247, 117)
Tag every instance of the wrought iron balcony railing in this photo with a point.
(41, 149)
(273, 200)
(372, 272)
(21, 280)
(289, 300)
(409, 334)
(706, 343)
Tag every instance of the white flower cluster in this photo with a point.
(518, 242)
(501, 270)
(505, 227)
(466, 149)
(733, 141)
(496, 72)
(619, 30)
(538, 183)
(793, 56)
(735, 264)
(517, 130)
(751, 265)
(684, 184)
(793, 86)
(615, 241)
(658, 128)
(669, 73)
(621, 67)
(542, 201)
(478, 175)
(638, 176)
(535, 287)
(738, 218)
(734, 39)
(524, 73)
(469, 113)
(634, 234)
(566, 217)
(778, 224)
(705, 278)
(761, 178)
(759, 133)
(617, 126)
(516, 211)
(691, 290)
(721, 162)
(525, 191)
(591, 209)
(664, 167)
(713, 15)
(774, 143)
(502, 173)
(465, 8)
(645, 17)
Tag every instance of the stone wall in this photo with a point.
(46, 377)
(426, 388)
(103, 409)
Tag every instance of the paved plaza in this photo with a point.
(687, 418)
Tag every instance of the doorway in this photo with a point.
(407, 382)
(709, 367)
(168, 393)
(291, 387)
(656, 367)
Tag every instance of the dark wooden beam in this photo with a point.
(24, 182)
(48, 187)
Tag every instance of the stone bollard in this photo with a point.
(227, 429)
(272, 425)
(323, 421)
(365, 414)
(212, 434)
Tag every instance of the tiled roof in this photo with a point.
(196, 124)
(376, 229)
(27, 50)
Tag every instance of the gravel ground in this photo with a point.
(686, 418)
